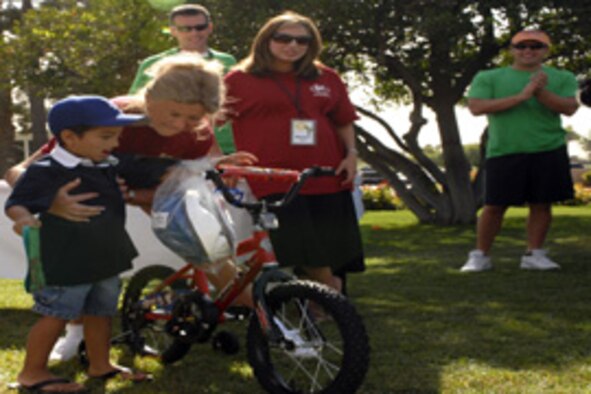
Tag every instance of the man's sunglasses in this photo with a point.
(186, 29)
(533, 47)
(288, 39)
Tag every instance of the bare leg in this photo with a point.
(538, 224)
(40, 341)
(224, 273)
(97, 334)
(489, 225)
(323, 275)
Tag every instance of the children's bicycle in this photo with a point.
(302, 337)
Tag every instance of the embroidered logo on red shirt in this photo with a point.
(320, 90)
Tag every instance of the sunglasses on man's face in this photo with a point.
(533, 47)
(288, 39)
(186, 29)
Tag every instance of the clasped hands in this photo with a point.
(537, 83)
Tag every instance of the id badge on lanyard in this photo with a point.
(303, 132)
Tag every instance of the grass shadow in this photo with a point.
(424, 315)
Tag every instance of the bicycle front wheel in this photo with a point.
(326, 348)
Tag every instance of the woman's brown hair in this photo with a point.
(260, 59)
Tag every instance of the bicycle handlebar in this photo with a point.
(297, 180)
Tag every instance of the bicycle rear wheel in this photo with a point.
(326, 348)
(149, 336)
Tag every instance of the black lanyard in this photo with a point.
(295, 99)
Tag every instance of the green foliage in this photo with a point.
(434, 153)
(165, 5)
(472, 151)
(582, 195)
(586, 177)
(74, 49)
(236, 26)
(473, 154)
(430, 46)
(380, 196)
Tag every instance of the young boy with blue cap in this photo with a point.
(81, 261)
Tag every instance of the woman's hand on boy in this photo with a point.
(70, 207)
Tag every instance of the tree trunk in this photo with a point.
(38, 117)
(457, 167)
(8, 151)
(434, 195)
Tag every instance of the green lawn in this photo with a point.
(432, 329)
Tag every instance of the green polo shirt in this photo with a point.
(530, 126)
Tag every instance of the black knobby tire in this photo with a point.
(145, 333)
(333, 356)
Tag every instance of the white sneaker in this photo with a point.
(66, 347)
(538, 261)
(477, 262)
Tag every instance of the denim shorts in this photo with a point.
(70, 302)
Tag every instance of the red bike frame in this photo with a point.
(259, 245)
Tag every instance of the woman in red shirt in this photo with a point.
(291, 111)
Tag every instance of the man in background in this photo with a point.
(191, 26)
(526, 156)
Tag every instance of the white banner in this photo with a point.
(12, 253)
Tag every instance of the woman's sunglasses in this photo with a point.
(288, 39)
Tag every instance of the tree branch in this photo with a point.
(423, 188)
(385, 125)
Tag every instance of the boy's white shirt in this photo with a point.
(69, 160)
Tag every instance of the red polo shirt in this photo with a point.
(262, 108)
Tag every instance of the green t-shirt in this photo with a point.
(223, 133)
(530, 126)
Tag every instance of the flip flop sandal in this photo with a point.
(37, 388)
(119, 372)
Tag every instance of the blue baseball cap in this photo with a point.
(89, 111)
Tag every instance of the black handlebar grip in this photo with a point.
(324, 171)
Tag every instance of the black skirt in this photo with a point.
(319, 231)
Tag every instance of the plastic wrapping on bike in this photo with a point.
(190, 218)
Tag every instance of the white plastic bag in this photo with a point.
(243, 223)
(190, 218)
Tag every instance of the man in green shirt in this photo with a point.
(526, 156)
(191, 25)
